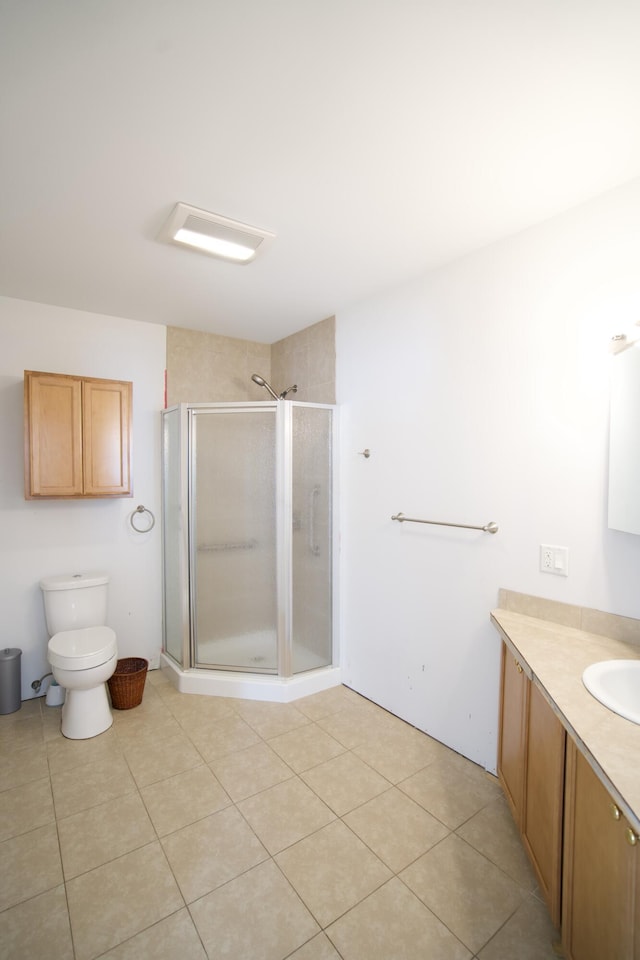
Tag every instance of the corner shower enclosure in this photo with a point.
(248, 545)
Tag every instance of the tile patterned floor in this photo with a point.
(202, 828)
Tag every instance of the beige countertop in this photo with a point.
(555, 657)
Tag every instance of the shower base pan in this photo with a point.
(247, 686)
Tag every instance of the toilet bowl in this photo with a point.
(82, 661)
(82, 651)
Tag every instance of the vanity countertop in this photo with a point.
(555, 657)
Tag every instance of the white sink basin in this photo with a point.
(616, 684)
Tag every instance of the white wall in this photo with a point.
(40, 538)
(482, 392)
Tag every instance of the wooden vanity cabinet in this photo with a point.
(531, 760)
(77, 436)
(601, 888)
(512, 744)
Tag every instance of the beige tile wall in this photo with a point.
(307, 358)
(581, 618)
(204, 367)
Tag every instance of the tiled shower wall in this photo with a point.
(204, 367)
(307, 358)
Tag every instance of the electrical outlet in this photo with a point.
(554, 560)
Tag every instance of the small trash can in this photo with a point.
(10, 679)
(126, 685)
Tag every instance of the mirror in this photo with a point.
(624, 442)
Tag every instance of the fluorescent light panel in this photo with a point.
(214, 235)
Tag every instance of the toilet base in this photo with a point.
(86, 713)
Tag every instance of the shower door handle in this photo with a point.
(313, 499)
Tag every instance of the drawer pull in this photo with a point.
(615, 811)
(632, 837)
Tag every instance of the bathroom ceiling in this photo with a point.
(376, 138)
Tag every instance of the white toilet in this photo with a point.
(82, 651)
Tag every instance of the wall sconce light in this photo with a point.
(214, 235)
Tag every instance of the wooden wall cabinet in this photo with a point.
(531, 758)
(77, 436)
(601, 885)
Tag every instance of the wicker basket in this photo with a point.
(126, 685)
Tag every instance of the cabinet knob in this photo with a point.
(518, 667)
(615, 811)
(632, 837)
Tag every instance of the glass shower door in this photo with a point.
(233, 539)
(312, 538)
(174, 539)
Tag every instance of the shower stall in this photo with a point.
(249, 534)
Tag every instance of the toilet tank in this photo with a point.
(73, 601)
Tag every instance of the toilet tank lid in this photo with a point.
(73, 581)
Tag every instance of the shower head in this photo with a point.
(293, 389)
(263, 383)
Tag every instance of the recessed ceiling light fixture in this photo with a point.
(214, 235)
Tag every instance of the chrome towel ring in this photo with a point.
(150, 525)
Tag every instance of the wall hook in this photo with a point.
(365, 453)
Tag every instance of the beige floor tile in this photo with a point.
(157, 677)
(175, 937)
(51, 724)
(119, 899)
(249, 771)
(26, 807)
(465, 890)
(65, 754)
(527, 935)
(183, 799)
(211, 852)
(152, 706)
(157, 760)
(220, 737)
(354, 725)
(332, 870)
(322, 704)
(30, 865)
(306, 747)
(103, 833)
(22, 766)
(320, 948)
(256, 915)
(400, 753)
(89, 785)
(396, 828)
(38, 929)
(20, 734)
(28, 709)
(493, 832)
(393, 923)
(285, 813)
(192, 708)
(270, 719)
(140, 730)
(451, 791)
(345, 782)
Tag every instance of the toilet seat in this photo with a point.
(82, 649)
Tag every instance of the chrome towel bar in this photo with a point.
(490, 527)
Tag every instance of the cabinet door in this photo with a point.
(512, 738)
(544, 796)
(53, 435)
(106, 438)
(599, 873)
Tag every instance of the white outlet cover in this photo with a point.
(554, 559)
